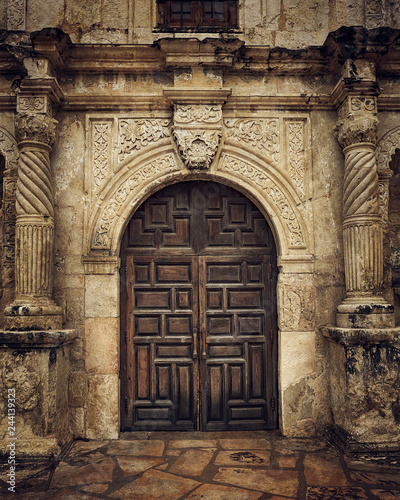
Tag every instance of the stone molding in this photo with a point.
(101, 264)
(268, 181)
(120, 192)
(118, 199)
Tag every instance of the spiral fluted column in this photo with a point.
(364, 305)
(34, 306)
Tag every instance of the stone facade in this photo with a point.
(294, 110)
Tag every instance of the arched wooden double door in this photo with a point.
(198, 313)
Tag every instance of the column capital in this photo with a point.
(34, 128)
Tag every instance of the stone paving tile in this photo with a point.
(216, 492)
(240, 444)
(243, 457)
(193, 443)
(192, 462)
(279, 482)
(136, 448)
(286, 462)
(81, 447)
(324, 471)
(387, 494)
(154, 484)
(377, 479)
(95, 488)
(326, 493)
(136, 465)
(100, 471)
(206, 466)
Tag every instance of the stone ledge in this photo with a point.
(352, 337)
(36, 339)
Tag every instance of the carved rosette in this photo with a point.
(197, 131)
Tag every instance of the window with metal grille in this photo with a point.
(197, 14)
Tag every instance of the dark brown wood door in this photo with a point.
(198, 313)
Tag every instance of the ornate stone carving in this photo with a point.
(35, 128)
(35, 194)
(261, 179)
(384, 202)
(260, 133)
(373, 11)
(160, 166)
(9, 150)
(31, 104)
(101, 152)
(355, 129)
(135, 134)
(198, 114)
(360, 194)
(387, 147)
(296, 154)
(197, 132)
(16, 10)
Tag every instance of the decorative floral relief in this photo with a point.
(261, 133)
(198, 113)
(9, 149)
(161, 166)
(296, 154)
(260, 178)
(16, 14)
(363, 104)
(34, 104)
(197, 147)
(137, 134)
(101, 147)
(387, 147)
(374, 10)
(384, 202)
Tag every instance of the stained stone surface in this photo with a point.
(309, 470)
(156, 484)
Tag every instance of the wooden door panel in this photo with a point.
(161, 331)
(198, 312)
(235, 340)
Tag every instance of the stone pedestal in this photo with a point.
(364, 379)
(34, 366)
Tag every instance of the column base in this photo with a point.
(369, 312)
(364, 369)
(34, 368)
(359, 450)
(23, 315)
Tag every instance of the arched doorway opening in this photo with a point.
(198, 313)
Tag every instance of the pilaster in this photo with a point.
(356, 99)
(37, 98)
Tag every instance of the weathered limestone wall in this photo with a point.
(262, 22)
(121, 136)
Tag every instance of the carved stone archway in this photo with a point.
(137, 177)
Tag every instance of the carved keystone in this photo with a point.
(197, 124)
(197, 132)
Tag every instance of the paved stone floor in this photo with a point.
(231, 465)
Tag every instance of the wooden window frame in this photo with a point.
(197, 20)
